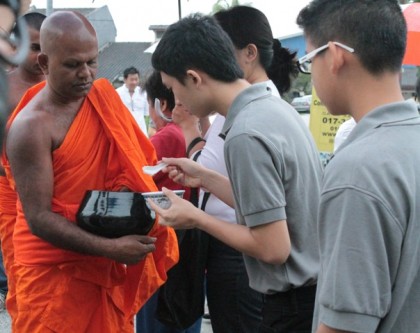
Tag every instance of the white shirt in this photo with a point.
(343, 132)
(136, 103)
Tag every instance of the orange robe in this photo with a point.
(63, 291)
(7, 223)
(8, 199)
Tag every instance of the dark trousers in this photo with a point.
(147, 323)
(289, 312)
(234, 307)
(3, 277)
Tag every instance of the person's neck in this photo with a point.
(258, 75)
(371, 92)
(131, 90)
(226, 93)
(29, 77)
(60, 100)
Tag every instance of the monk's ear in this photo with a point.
(43, 62)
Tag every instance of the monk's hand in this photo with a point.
(131, 249)
(182, 214)
(184, 171)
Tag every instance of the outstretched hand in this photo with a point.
(182, 214)
(184, 171)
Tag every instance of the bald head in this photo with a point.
(65, 25)
(69, 54)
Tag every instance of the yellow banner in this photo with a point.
(323, 125)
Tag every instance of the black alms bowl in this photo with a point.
(115, 214)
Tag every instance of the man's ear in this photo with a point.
(43, 62)
(195, 77)
(337, 58)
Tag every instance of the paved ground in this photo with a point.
(5, 324)
(205, 326)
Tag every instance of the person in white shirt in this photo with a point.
(134, 98)
(343, 132)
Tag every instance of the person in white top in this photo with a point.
(134, 97)
(343, 132)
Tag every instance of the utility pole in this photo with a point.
(49, 7)
(179, 9)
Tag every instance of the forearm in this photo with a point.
(55, 229)
(325, 329)
(218, 185)
(235, 235)
(253, 242)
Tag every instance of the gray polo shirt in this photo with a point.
(369, 226)
(275, 171)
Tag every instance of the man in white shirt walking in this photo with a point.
(134, 98)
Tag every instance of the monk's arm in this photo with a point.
(29, 147)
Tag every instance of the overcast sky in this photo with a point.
(133, 17)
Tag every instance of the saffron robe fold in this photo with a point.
(8, 200)
(7, 223)
(103, 150)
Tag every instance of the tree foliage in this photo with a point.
(226, 4)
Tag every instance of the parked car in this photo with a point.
(302, 104)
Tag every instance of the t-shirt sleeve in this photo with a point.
(360, 243)
(256, 180)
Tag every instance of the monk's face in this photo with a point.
(31, 63)
(71, 65)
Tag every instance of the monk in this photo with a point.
(28, 73)
(24, 76)
(66, 136)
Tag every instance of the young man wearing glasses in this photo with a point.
(369, 216)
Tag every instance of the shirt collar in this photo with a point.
(126, 88)
(386, 115)
(253, 92)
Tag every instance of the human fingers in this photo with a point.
(177, 176)
(146, 239)
(172, 161)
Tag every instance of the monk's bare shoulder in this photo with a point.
(31, 130)
(44, 122)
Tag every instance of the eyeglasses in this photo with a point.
(305, 63)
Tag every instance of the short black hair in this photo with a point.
(130, 70)
(34, 19)
(247, 25)
(196, 42)
(376, 29)
(156, 89)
